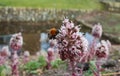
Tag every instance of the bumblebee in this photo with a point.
(52, 33)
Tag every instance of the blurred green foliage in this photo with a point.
(57, 63)
(3, 70)
(42, 61)
(32, 65)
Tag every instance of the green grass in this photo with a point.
(58, 4)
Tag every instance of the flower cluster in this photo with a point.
(16, 41)
(99, 50)
(4, 53)
(102, 49)
(71, 44)
(50, 53)
(96, 33)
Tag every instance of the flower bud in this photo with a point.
(97, 31)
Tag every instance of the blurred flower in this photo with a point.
(26, 53)
(5, 52)
(16, 41)
(50, 57)
(50, 53)
(26, 56)
(97, 30)
(102, 50)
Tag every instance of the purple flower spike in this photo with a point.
(4, 54)
(71, 44)
(16, 43)
(14, 66)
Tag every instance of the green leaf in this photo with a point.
(1, 68)
(93, 65)
(42, 61)
(88, 73)
(33, 65)
(56, 63)
(3, 72)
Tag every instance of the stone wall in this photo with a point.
(35, 14)
(14, 19)
(112, 5)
